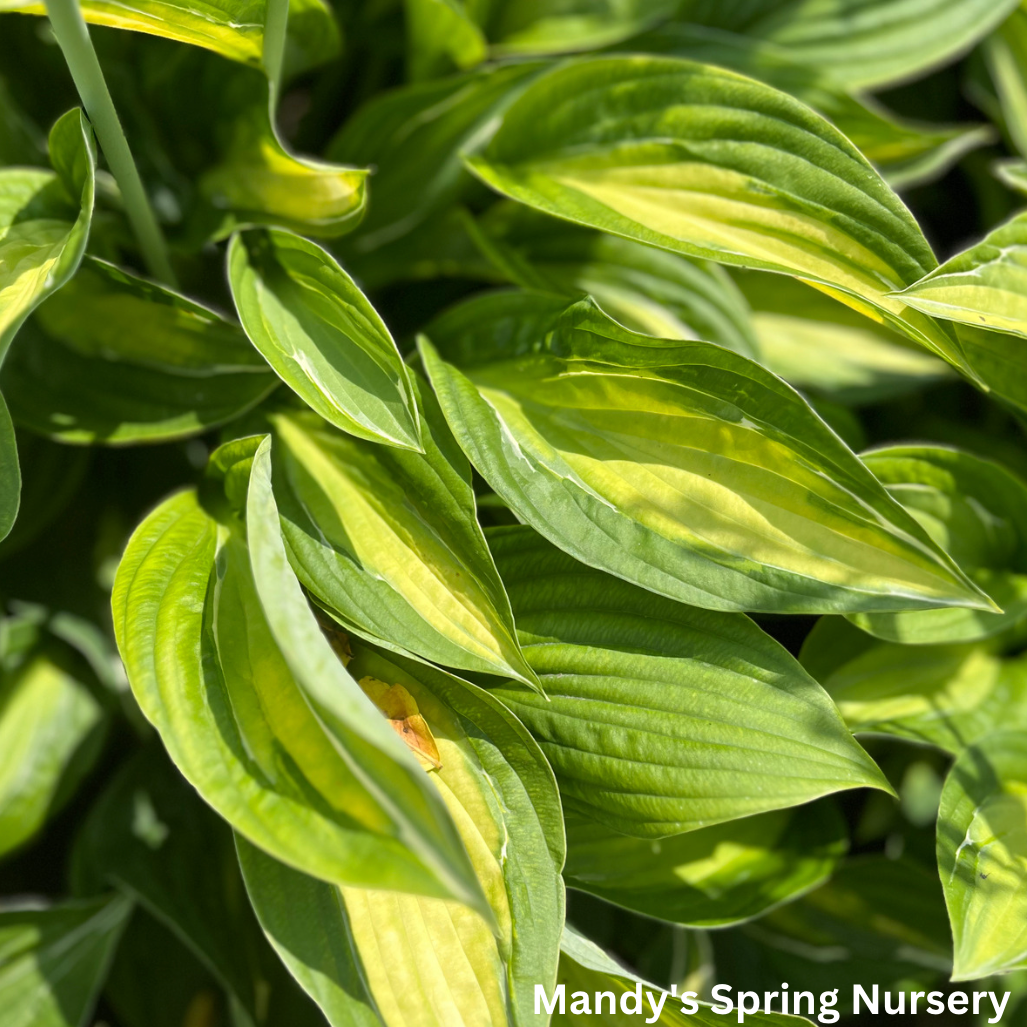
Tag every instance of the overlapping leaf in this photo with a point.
(388, 541)
(712, 877)
(426, 960)
(322, 336)
(716, 484)
(655, 712)
(113, 358)
(982, 855)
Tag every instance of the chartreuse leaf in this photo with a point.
(977, 512)
(232, 28)
(859, 43)
(427, 961)
(982, 855)
(53, 961)
(388, 541)
(321, 336)
(684, 468)
(661, 718)
(586, 971)
(815, 343)
(645, 289)
(983, 286)
(208, 674)
(444, 34)
(944, 695)
(713, 877)
(701, 161)
(50, 724)
(114, 358)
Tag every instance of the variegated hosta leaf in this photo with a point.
(54, 960)
(684, 468)
(859, 43)
(232, 28)
(50, 724)
(660, 718)
(242, 729)
(647, 290)
(982, 855)
(388, 541)
(695, 159)
(712, 877)
(977, 512)
(943, 695)
(817, 344)
(984, 286)
(44, 223)
(427, 961)
(114, 358)
(321, 336)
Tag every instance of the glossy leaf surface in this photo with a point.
(388, 541)
(630, 676)
(982, 855)
(321, 336)
(716, 482)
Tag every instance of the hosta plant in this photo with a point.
(507, 507)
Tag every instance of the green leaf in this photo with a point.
(1005, 51)
(10, 472)
(860, 43)
(588, 971)
(982, 855)
(321, 336)
(378, 761)
(231, 28)
(114, 359)
(645, 289)
(44, 223)
(700, 161)
(977, 512)
(207, 673)
(944, 695)
(983, 286)
(50, 727)
(443, 34)
(661, 718)
(388, 541)
(413, 135)
(425, 960)
(53, 961)
(815, 343)
(712, 877)
(716, 484)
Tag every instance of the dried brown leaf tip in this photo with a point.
(401, 709)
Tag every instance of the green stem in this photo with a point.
(70, 29)
(276, 21)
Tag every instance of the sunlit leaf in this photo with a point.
(712, 877)
(660, 718)
(716, 484)
(321, 336)
(982, 855)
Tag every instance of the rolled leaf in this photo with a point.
(10, 472)
(661, 718)
(114, 359)
(321, 336)
(358, 950)
(53, 961)
(713, 877)
(977, 512)
(231, 28)
(983, 286)
(982, 856)
(701, 161)
(234, 719)
(685, 468)
(944, 695)
(388, 541)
